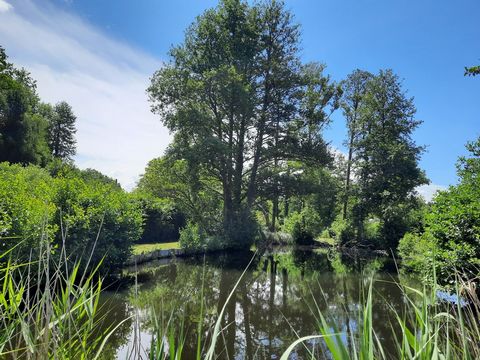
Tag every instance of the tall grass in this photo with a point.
(49, 309)
(427, 328)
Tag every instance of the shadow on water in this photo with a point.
(275, 302)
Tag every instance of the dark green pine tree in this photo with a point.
(61, 131)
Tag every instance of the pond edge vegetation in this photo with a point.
(248, 165)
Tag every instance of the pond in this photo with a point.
(277, 300)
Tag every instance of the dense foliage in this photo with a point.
(247, 117)
(162, 219)
(81, 211)
(23, 131)
(31, 131)
(88, 218)
(61, 130)
(380, 119)
(450, 239)
(239, 101)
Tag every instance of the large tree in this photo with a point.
(386, 156)
(22, 128)
(354, 91)
(61, 131)
(238, 100)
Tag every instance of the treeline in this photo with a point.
(31, 132)
(46, 203)
(248, 116)
(248, 161)
(248, 151)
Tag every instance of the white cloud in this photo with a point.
(4, 6)
(103, 79)
(428, 192)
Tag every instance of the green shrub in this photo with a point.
(97, 216)
(298, 225)
(372, 228)
(240, 232)
(26, 207)
(451, 226)
(342, 231)
(290, 221)
(83, 214)
(300, 234)
(192, 238)
(417, 252)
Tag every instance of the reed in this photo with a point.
(49, 309)
(429, 328)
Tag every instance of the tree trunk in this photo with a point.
(237, 180)
(251, 192)
(347, 180)
(352, 126)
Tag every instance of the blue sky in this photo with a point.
(427, 43)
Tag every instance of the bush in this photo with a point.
(240, 232)
(95, 214)
(451, 227)
(195, 240)
(36, 207)
(301, 236)
(298, 225)
(26, 207)
(417, 253)
(192, 238)
(372, 229)
(342, 231)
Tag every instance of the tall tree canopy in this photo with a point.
(353, 100)
(472, 70)
(31, 131)
(238, 100)
(22, 128)
(386, 155)
(61, 131)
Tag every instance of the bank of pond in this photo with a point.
(263, 303)
(272, 303)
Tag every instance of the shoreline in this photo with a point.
(137, 259)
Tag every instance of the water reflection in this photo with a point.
(276, 301)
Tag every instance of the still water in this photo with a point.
(277, 300)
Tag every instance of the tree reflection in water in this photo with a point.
(276, 301)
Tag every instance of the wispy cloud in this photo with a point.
(428, 192)
(103, 79)
(4, 6)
